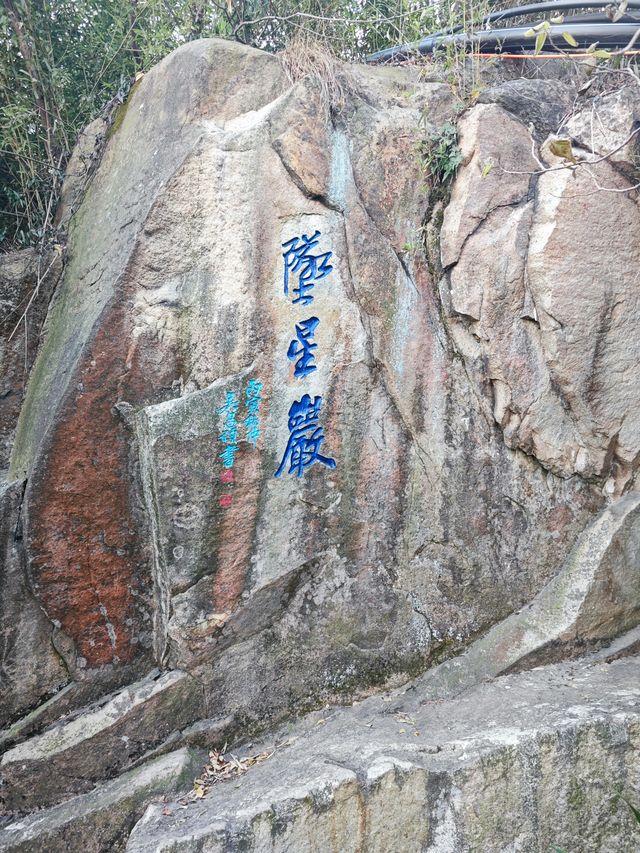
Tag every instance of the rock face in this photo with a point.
(541, 288)
(415, 527)
(275, 449)
(594, 598)
(30, 664)
(26, 635)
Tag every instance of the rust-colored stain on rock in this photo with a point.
(237, 528)
(83, 540)
(89, 569)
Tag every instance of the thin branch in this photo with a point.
(578, 163)
(600, 188)
(533, 148)
(36, 290)
(329, 18)
(41, 277)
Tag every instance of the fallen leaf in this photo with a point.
(562, 148)
(486, 168)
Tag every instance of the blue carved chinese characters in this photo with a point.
(229, 434)
(305, 438)
(301, 349)
(306, 435)
(252, 421)
(310, 268)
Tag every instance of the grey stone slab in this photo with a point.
(99, 821)
(72, 755)
(524, 763)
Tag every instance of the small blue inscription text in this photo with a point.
(252, 421)
(229, 434)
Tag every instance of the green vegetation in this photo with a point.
(634, 811)
(62, 61)
(441, 154)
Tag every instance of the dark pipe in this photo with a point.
(599, 18)
(557, 6)
(513, 38)
(533, 9)
(425, 45)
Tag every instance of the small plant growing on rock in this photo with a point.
(441, 154)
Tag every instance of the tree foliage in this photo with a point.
(61, 61)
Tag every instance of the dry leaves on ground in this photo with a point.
(221, 768)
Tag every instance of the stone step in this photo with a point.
(72, 755)
(100, 820)
(531, 761)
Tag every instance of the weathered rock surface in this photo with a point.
(276, 591)
(611, 127)
(541, 291)
(72, 755)
(30, 665)
(541, 103)
(82, 164)
(594, 598)
(530, 762)
(468, 414)
(101, 820)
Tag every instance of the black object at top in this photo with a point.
(586, 29)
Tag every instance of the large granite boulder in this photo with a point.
(273, 452)
(263, 441)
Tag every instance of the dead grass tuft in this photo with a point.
(305, 57)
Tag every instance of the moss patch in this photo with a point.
(121, 112)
